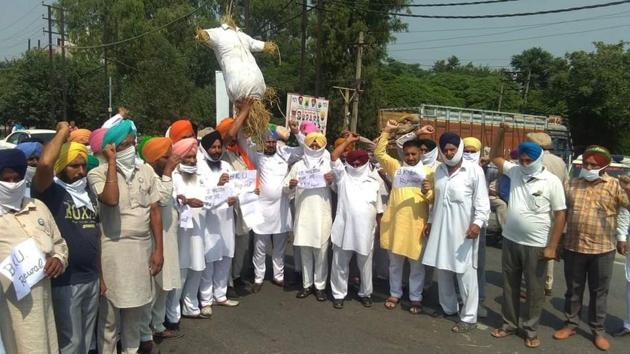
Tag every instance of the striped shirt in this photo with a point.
(592, 217)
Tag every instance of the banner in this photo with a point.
(307, 108)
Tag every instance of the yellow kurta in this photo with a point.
(407, 210)
(28, 326)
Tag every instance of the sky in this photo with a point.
(22, 19)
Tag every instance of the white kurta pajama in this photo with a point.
(359, 200)
(219, 242)
(192, 260)
(274, 204)
(460, 200)
(313, 220)
(169, 278)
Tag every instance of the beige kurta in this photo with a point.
(169, 278)
(126, 241)
(28, 326)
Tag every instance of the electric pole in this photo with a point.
(347, 98)
(303, 47)
(357, 93)
(61, 24)
(318, 52)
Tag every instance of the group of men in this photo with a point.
(137, 233)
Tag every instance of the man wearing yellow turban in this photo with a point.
(60, 182)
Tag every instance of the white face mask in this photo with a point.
(530, 170)
(313, 157)
(472, 156)
(126, 161)
(358, 171)
(78, 192)
(11, 195)
(187, 169)
(429, 158)
(30, 172)
(458, 155)
(591, 175)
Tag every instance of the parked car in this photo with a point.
(44, 135)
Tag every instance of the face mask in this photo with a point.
(533, 168)
(11, 195)
(591, 175)
(457, 158)
(126, 161)
(429, 158)
(358, 171)
(30, 172)
(210, 158)
(472, 156)
(187, 169)
(313, 157)
(78, 192)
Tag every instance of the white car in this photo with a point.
(45, 135)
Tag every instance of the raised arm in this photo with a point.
(244, 106)
(496, 154)
(389, 164)
(46, 168)
(343, 147)
(110, 194)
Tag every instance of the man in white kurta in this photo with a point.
(157, 152)
(189, 190)
(272, 166)
(623, 223)
(219, 228)
(313, 214)
(460, 209)
(359, 201)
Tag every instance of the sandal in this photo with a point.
(502, 333)
(391, 302)
(532, 342)
(415, 308)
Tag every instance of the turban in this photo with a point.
(81, 136)
(315, 137)
(69, 152)
(180, 129)
(119, 132)
(449, 138)
(340, 141)
(13, 159)
(224, 127)
(209, 139)
(308, 127)
(430, 144)
(358, 155)
(183, 146)
(530, 149)
(514, 154)
(600, 153)
(473, 142)
(157, 147)
(143, 140)
(96, 139)
(542, 139)
(92, 163)
(30, 149)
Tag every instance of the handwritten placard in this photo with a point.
(24, 267)
(217, 197)
(408, 177)
(242, 181)
(312, 178)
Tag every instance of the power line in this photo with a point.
(105, 45)
(459, 3)
(523, 28)
(19, 18)
(23, 29)
(615, 15)
(468, 17)
(511, 40)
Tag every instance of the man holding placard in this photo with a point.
(310, 179)
(31, 253)
(406, 215)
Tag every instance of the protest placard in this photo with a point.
(312, 178)
(24, 267)
(408, 177)
(302, 108)
(242, 181)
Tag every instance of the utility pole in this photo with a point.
(529, 77)
(357, 93)
(347, 98)
(51, 64)
(29, 44)
(318, 52)
(64, 82)
(303, 47)
(61, 43)
(501, 96)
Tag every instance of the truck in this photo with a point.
(482, 124)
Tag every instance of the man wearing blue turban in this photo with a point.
(32, 150)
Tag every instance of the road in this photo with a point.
(274, 321)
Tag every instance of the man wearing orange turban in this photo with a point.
(156, 148)
(81, 136)
(181, 129)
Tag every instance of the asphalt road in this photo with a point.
(274, 321)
